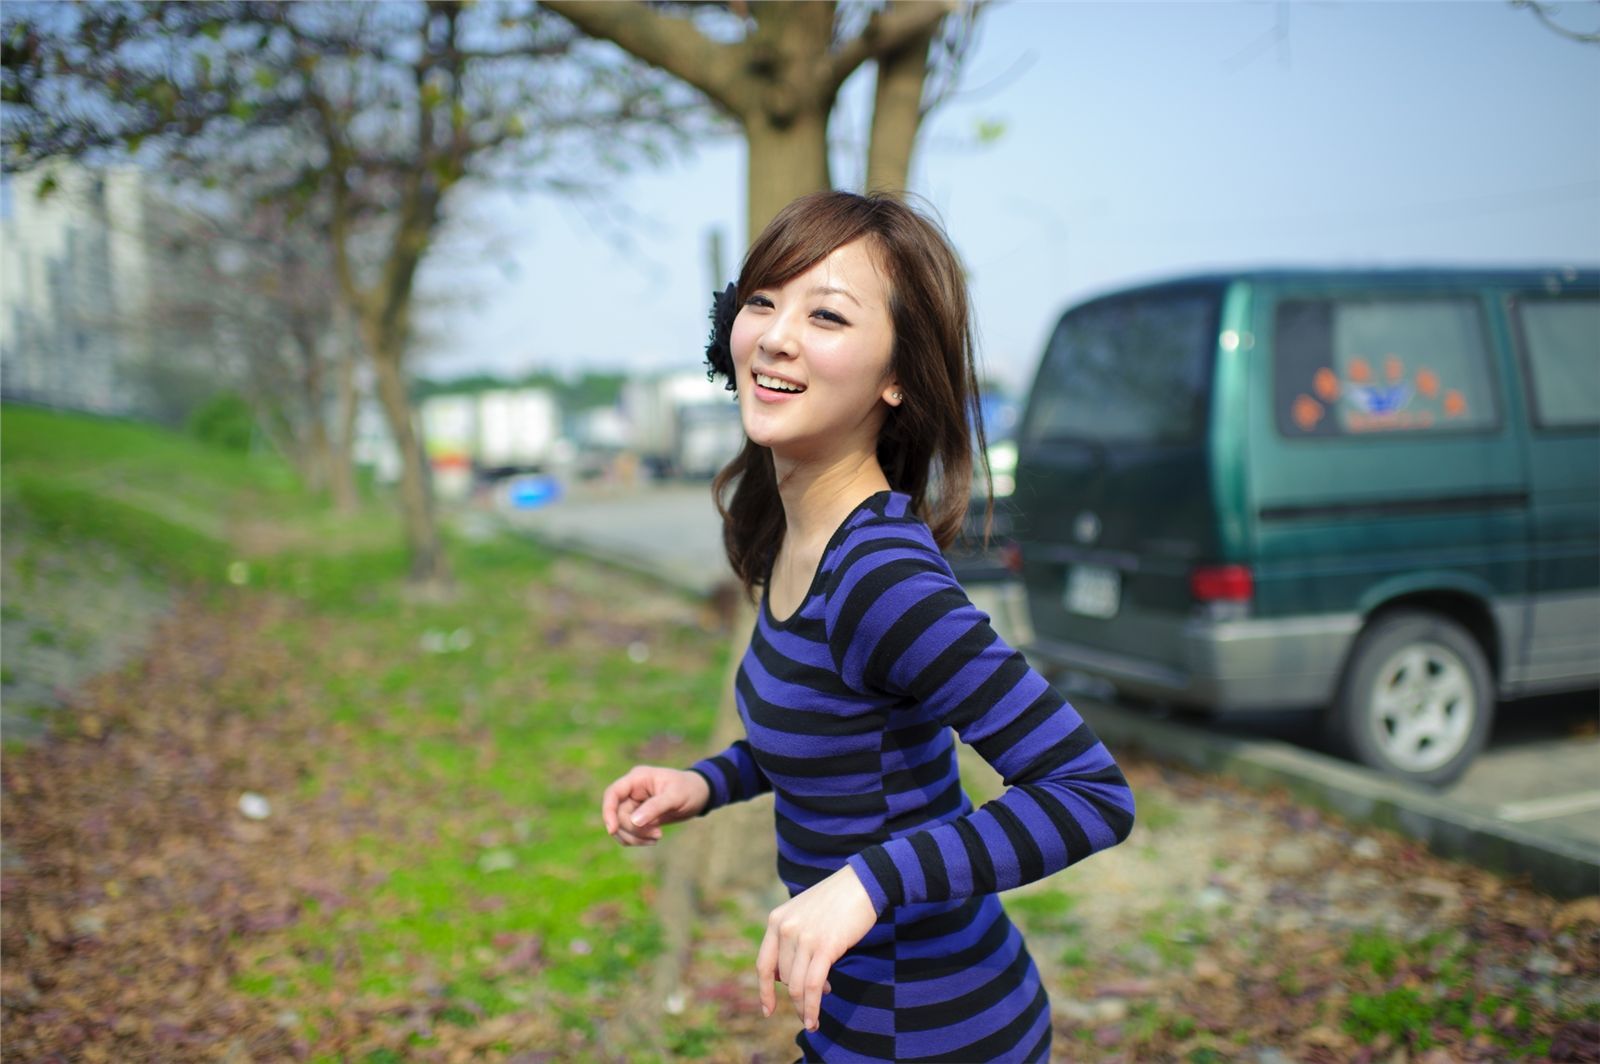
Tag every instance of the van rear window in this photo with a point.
(1365, 367)
(1133, 370)
(1562, 341)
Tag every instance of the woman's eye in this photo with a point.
(830, 316)
(758, 301)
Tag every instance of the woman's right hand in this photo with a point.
(648, 796)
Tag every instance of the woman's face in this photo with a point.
(812, 358)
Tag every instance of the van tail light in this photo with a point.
(1011, 557)
(1221, 583)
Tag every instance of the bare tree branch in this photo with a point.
(886, 32)
(1542, 11)
(665, 41)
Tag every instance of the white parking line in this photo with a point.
(1545, 808)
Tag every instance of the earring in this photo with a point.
(897, 397)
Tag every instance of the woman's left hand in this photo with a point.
(806, 935)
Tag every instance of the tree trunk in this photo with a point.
(430, 570)
(341, 470)
(319, 457)
(319, 453)
(277, 439)
(739, 856)
(897, 115)
(786, 160)
(256, 390)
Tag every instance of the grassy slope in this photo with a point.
(483, 744)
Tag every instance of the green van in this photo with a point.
(1376, 493)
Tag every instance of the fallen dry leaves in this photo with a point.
(131, 879)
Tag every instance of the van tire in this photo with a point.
(1423, 667)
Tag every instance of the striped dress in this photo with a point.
(848, 707)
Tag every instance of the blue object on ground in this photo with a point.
(532, 492)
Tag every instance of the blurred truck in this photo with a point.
(488, 435)
(516, 431)
(682, 424)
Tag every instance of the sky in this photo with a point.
(1138, 141)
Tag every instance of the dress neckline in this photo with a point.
(816, 577)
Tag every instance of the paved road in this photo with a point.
(1541, 768)
(1539, 772)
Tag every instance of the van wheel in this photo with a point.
(1416, 699)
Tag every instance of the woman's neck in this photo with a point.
(817, 498)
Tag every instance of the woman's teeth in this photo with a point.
(777, 385)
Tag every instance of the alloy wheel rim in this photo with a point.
(1422, 706)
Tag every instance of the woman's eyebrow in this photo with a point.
(829, 290)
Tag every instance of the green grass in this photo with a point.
(1375, 950)
(489, 747)
(174, 505)
(1176, 934)
(144, 459)
(1402, 1014)
(1430, 991)
(156, 497)
(519, 851)
(1157, 815)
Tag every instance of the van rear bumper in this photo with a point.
(1281, 663)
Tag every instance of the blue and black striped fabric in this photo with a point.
(848, 707)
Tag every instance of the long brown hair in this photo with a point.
(929, 437)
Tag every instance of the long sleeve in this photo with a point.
(899, 623)
(733, 775)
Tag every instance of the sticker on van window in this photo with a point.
(1396, 403)
(1380, 366)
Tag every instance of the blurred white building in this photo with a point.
(73, 282)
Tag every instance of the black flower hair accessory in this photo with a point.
(719, 349)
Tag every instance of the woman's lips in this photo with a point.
(772, 395)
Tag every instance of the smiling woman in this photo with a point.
(825, 335)
(851, 353)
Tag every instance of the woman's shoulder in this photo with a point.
(886, 566)
(886, 528)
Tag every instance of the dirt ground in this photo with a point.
(1232, 925)
(1241, 926)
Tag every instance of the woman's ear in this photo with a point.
(892, 393)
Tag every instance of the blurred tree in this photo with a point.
(776, 67)
(372, 115)
(254, 280)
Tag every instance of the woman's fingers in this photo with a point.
(628, 838)
(626, 831)
(636, 807)
(620, 791)
(608, 809)
(637, 820)
(794, 977)
(815, 985)
(767, 969)
(644, 819)
(619, 816)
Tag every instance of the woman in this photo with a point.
(851, 354)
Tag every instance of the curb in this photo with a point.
(1556, 866)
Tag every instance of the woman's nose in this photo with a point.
(778, 338)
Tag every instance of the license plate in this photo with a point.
(1093, 590)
